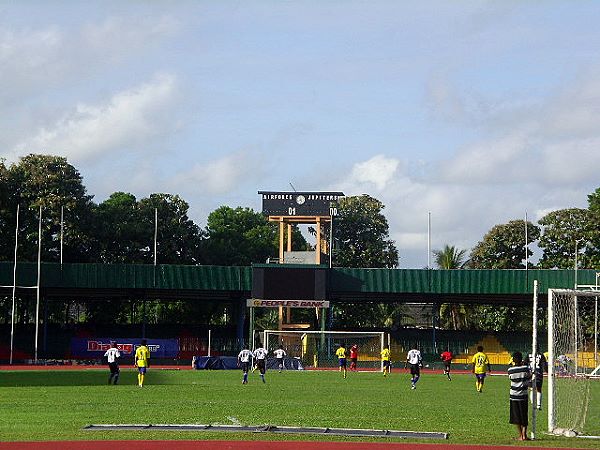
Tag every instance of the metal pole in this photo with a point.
(12, 321)
(576, 242)
(331, 243)
(550, 361)
(429, 240)
(209, 342)
(526, 244)
(155, 234)
(596, 324)
(533, 361)
(62, 233)
(39, 275)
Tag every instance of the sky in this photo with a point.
(471, 112)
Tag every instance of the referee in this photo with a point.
(112, 354)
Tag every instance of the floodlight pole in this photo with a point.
(39, 276)
(12, 321)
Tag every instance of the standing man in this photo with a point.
(279, 356)
(260, 355)
(353, 357)
(111, 355)
(244, 360)
(142, 361)
(447, 360)
(481, 365)
(341, 354)
(539, 366)
(385, 359)
(520, 377)
(413, 358)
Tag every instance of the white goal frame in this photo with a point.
(578, 374)
(300, 333)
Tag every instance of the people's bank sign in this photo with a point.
(96, 347)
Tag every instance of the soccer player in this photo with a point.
(111, 355)
(341, 354)
(520, 377)
(353, 357)
(539, 366)
(481, 365)
(447, 360)
(413, 358)
(244, 360)
(260, 355)
(385, 359)
(142, 361)
(279, 356)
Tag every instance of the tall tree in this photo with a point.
(178, 237)
(50, 182)
(565, 231)
(452, 315)
(593, 250)
(239, 237)
(503, 247)
(363, 234)
(118, 230)
(5, 214)
(450, 257)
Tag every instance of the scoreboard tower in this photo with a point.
(287, 208)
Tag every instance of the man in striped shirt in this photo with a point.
(520, 380)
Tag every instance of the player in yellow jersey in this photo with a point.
(385, 359)
(481, 365)
(341, 354)
(142, 361)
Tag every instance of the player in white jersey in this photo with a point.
(244, 360)
(280, 355)
(413, 358)
(260, 355)
(111, 355)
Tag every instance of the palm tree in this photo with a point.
(452, 258)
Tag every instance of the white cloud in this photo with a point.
(219, 176)
(375, 172)
(128, 121)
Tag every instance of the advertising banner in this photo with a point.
(287, 303)
(92, 348)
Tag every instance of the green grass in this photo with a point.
(56, 405)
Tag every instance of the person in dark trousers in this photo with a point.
(112, 355)
(520, 380)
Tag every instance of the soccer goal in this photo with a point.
(572, 358)
(317, 348)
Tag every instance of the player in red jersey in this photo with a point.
(447, 360)
(353, 357)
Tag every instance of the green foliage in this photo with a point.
(239, 237)
(50, 182)
(564, 230)
(363, 233)
(307, 398)
(450, 258)
(503, 247)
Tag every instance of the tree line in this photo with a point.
(121, 229)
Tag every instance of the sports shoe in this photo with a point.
(413, 387)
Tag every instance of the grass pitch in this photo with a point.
(56, 405)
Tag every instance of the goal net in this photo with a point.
(316, 349)
(572, 358)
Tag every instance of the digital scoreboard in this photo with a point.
(300, 203)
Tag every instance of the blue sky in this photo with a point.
(474, 111)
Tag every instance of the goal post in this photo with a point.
(572, 358)
(316, 349)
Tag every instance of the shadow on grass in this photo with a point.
(74, 378)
